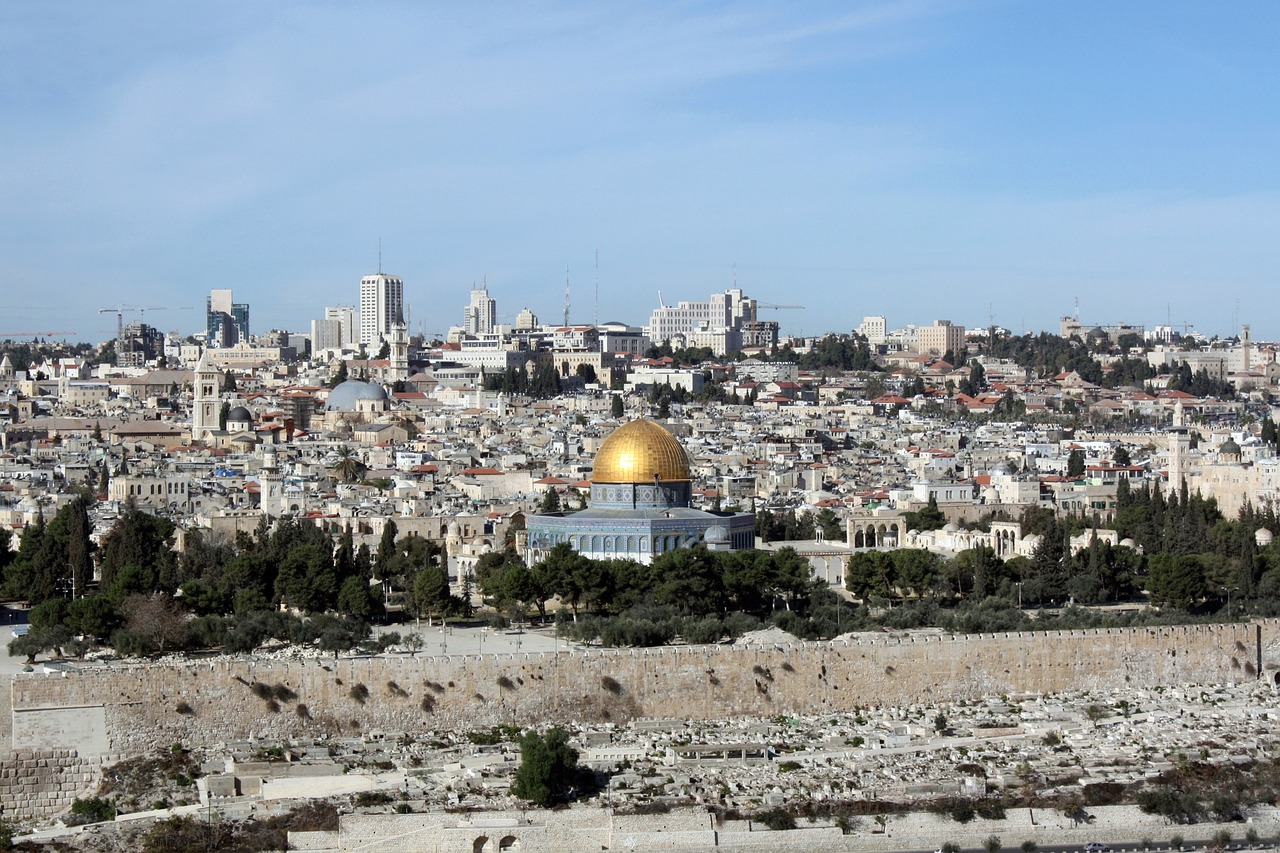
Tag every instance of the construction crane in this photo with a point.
(772, 307)
(119, 311)
(11, 335)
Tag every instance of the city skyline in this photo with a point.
(988, 160)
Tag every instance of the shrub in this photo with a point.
(611, 685)
(372, 798)
(94, 810)
(990, 809)
(777, 819)
(359, 693)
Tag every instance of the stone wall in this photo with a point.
(221, 700)
(37, 783)
(686, 830)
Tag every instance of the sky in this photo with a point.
(984, 161)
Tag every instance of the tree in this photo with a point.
(386, 551)
(1075, 463)
(615, 406)
(550, 501)
(356, 599)
(1121, 456)
(431, 591)
(548, 766)
(158, 618)
(348, 467)
(143, 543)
(339, 375)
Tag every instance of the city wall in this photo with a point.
(102, 711)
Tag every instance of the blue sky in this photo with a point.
(916, 159)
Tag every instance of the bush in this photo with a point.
(777, 819)
(93, 810)
(372, 798)
(990, 809)
(132, 644)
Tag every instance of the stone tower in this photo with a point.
(399, 346)
(206, 399)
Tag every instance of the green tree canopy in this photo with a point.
(548, 767)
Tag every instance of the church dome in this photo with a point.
(239, 414)
(640, 452)
(1229, 448)
(346, 396)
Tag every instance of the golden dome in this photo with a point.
(640, 452)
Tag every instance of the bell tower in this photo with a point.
(206, 399)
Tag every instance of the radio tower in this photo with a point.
(566, 296)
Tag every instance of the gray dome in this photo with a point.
(345, 397)
(239, 413)
(1229, 448)
(717, 534)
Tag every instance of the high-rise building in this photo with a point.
(941, 338)
(723, 311)
(381, 305)
(141, 344)
(337, 329)
(481, 315)
(226, 322)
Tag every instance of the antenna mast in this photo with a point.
(566, 296)
(595, 316)
(379, 256)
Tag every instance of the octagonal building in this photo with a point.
(639, 504)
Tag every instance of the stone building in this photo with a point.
(640, 504)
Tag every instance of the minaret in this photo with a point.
(271, 496)
(1179, 444)
(206, 399)
(399, 346)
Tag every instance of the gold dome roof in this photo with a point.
(640, 452)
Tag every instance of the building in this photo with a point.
(140, 344)
(941, 338)
(338, 329)
(723, 311)
(226, 321)
(381, 305)
(875, 329)
(481, 314)
(640, 505)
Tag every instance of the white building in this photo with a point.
(874, 329)
(481, 314)
(728, 310)
(381, 305)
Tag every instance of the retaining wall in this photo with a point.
(129, 709)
